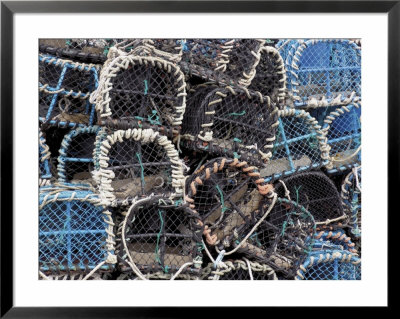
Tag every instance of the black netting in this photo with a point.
(227, 61)
(316, 192)
(160, 236)
(145, 92)
(237, 123)
(227, 195)
(284, 239)
(140, 169)
(270, 77)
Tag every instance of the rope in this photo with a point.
(253, 229)
(223, 207)
(249, 267)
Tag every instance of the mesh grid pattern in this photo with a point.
(144, 89)
(64, 88)
(334, 269)
(343, 134)
(160, 236)
(226, 197)
(315, 191)
(75, 162)
(72, 235)
(140, 169)
(226, 61)
(284, 239)
(270, 77)
(235, 123)
(297, 147)
(325, 69)
(267, 129)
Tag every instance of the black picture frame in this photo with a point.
(9, 8)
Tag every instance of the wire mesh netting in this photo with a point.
(199, 159)
(64, 89)
(330, 265)
(159, 235)
(342, 130)
(283, 239)
(270, 77)
(141, 88)
(74, 231)
(227, 194)
(235, 123)
(137, 163)
(75, 162)
(225, 61)
(316, 192)
(324, 72)
(351, 197)
(298, 146)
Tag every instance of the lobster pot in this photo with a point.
(64, 89)
(160, 236)
(337, 239)
(228, 195)
(324, 73)
(351, 198)
(75, 232)
(136, 163)
(76, 162)
(270, 77)
(227, 61)
(298, 147)
(234, 123)
(141, 88)
(283, 239)
(241, 270)
(316, 192)
(342, 130)
(44, 155)
(330, 265)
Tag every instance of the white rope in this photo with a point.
(249, 268)
(131, 262)
(253, 229)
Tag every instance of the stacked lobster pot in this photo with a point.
(324, 82)
(199, 159)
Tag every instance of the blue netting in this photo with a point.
(296, 148)
(76, 154)
(344, 137)
(64, 89)
(334, 269)
(324, 69)
(72, 234)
